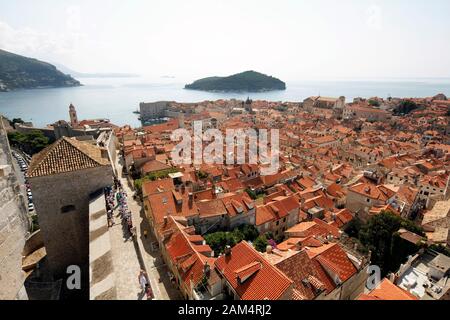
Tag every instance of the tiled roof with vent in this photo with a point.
(260, 280)
(331, 262)
(160, 205)
(386, 290)
(189, 259)
(303, 272)
(66, 155)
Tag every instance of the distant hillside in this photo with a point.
(94, 75)
(18, 72)
(249, 81)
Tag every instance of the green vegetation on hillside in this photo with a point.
(249, 81)
(18, 72)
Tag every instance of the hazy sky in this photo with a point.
(298, 39)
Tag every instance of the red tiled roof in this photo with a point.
(211, 208)
(163, 204)
(277, 209)
(247, 271)
(185, 256)
(236, 204)
(154, 166)
(266, 283)
(374, 192)
(333, 261)
(342, 218)
(316, 227)
(302, 271)
(387, 291)
(149, 187)
(66, 155)
(263, 215)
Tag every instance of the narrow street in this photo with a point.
(130, 256)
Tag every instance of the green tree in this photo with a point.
(269, 236)
(405, 107)
(138, 185)
(16, 120)
(219, 240)
(353, 228)
(380, 236)
(163, 174)
(202, 175)
(250, 232)
(252, 194)
(261, 243)
(374, 103)
(37, 141)
(32, 142)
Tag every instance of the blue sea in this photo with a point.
(117, 98)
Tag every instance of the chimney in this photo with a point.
(269, 249)
(191, 197)
(392, 277)
(227, 251)
(165, 220)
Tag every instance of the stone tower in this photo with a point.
(64, 176)
(248, 105)
(73, 116)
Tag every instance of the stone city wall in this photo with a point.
(14, 226)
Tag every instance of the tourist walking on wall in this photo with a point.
(143, 281)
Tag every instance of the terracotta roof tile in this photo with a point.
(387, 291)
(302, 271)
(333, 261)
(66, 155)
(266, 283)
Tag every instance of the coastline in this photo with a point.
(236, 91)
(117, 98)
(40, 88)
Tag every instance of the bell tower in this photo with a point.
(73, 116)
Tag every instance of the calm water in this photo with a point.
(116, 99)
